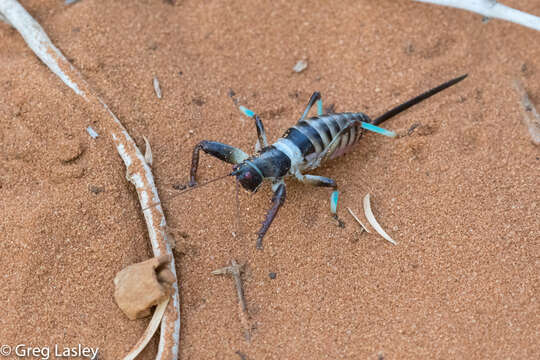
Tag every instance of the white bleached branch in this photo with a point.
(4, 19)
(492, 9)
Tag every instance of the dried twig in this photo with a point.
(235, 270)
(492, 9)
(138, 172)
(531, 117)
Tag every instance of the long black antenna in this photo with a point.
(237, 208)
(393, 112)
(188, 190)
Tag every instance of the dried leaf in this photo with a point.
(358, 220)
(150, 330)
(148, 152)
(371, 218)
(157, 88)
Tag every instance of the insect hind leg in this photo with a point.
(315, 98)
(322, 181)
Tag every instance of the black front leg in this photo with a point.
(277, 201)
(221, 151)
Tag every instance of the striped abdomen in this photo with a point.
(312, 136)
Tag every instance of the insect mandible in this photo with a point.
(303, 147)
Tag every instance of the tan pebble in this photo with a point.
(138, 287)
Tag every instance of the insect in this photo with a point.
(303, 147)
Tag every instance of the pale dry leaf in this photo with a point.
(371, 218)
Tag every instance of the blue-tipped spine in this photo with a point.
(333, 201)
(246, 111)
(378, 130)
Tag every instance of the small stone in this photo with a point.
(199, 101)
(300, 66)
(179, 186)
(95, 189)
(272, 275)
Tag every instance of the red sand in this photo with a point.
(460, 194)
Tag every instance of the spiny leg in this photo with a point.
(315, 97)
(277, 201)
(322, 181)
(221, 151)
(315, 180)
(262, 141)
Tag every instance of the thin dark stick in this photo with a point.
(237, 208)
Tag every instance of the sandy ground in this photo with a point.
(460, 194)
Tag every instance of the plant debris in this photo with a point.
(148, 152)
(93, 134)
(358, 220)
(531, 118)
(371, 218)
(300, 66)
(157, 88)
(235, 270)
